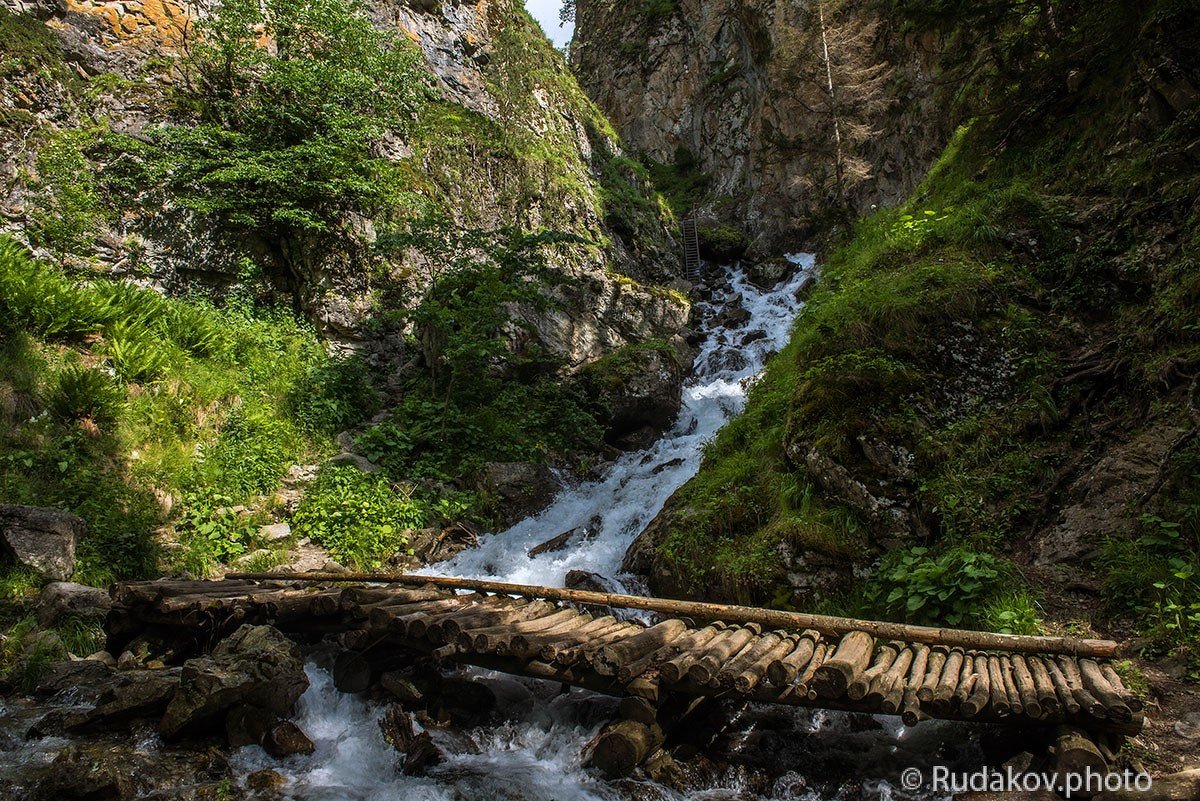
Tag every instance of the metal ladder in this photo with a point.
(691, 251)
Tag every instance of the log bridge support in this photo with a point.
(693, 651)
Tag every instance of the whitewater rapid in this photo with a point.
(619, 506)
(533, 753)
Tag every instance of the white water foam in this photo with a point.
(534, 754)
(637, 486)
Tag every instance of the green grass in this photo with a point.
(939, 327)
(114, 394)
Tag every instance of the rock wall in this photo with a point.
(741, 87)
(512, 142)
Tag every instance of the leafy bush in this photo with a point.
(283, 140)
(361, 518)
(1157, 577)
(136, 354)
(916, 586)
(81, 393)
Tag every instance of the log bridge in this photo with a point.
(688, 649)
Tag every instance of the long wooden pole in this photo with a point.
(825, 624)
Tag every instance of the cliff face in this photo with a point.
(743, 88)
(510, 140)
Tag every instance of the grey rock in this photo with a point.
(1182, 786)
(40, 538)
(276, 532)
(61, 599)
(354, 460)
(256, 666)
(524, 488)
(286, 739)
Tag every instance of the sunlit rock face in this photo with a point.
(741, 86)
(510, 140)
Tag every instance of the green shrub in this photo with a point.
(361, 518)
(136, 353)
(916, 586)
(284, 137)
(77, 393)
(249, 456)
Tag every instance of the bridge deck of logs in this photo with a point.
(585, 639)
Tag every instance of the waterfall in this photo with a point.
(533, 753)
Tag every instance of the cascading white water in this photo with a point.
(637, 486)
(534, 754)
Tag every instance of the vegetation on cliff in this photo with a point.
(969, 352)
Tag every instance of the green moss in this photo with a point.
(942, 327)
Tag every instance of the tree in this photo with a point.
(288, 98)
(829, 67)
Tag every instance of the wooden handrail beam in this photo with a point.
(798, 621)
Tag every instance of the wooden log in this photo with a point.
(352, 672)
(1134, 703)
(1044, 686)
(754, 671)
(937, 661)
(551, 647)
(910, 705)
(1075, 754)
(693, 639)
(892, 683)
(572, 652)
(719, 650)
(1023, 679)
(621, 747)
(802, 684)
(493, 639)
(952, 672)
(773, 618)
(525, 644)
(966, 683)
(497, 612)
(1000, 702)
(537, 610)
(1095, 682)
(638, 709)
(980, 695)
(850, 659)
(748, 655)
(1088, 703)
(648, 687)
(1062, 688)
(884, 656)
(675, 669)
(783, 671)
(612, 658)
(1010, 686)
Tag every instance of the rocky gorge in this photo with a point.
(321, 285)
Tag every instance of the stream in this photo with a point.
(533, 754)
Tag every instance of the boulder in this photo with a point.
(641, 387)
(767, 273)
(275, 533)
(523, 488)
(286, 739)
(1183, 786)
(102, 699)
(40, 538)
(257, 666)
(592, 582)
(61, 599)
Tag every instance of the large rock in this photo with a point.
(523, 488)
(642, 387)
(40, 538)
(60, 599)
(1183, 786)
(257, 667)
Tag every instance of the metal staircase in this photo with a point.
(691, 251)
